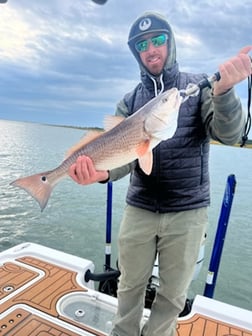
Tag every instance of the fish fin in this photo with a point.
(145, 156)
(112, 121)
(88, 137)
(37, 186)
(146, 162)
(143, 148)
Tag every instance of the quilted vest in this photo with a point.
(180, 178)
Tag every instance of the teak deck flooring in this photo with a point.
(43, 293)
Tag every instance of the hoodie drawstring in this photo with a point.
(156, 90)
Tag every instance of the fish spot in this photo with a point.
(43, 178)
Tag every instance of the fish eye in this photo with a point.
(43, 178)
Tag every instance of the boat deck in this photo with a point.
(36, 295)
(200, 325)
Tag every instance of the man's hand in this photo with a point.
(233, 71)
(83, 172)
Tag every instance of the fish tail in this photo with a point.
(38, 186)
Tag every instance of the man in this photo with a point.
(166, 211)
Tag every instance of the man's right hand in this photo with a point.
(83, 171)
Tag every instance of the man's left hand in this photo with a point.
(233, 71)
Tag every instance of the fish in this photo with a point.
(122, 141)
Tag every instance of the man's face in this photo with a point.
(153, 52)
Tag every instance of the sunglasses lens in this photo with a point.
(157, 41)
(142, 46)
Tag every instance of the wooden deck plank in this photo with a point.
(200, 325)
(14, 275)
(27, 324)
(44, 293)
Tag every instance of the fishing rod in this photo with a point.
(193, 90)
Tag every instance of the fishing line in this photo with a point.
(248, 121)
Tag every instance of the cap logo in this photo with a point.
(145, 24)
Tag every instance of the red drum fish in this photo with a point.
(129, 139)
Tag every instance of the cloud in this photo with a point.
(67, 62)
(15, 36)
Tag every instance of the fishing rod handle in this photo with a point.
(194, 89)
(208, 82)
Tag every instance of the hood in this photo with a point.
(151, 22)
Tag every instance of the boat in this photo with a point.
(47, 292)
(44, 292)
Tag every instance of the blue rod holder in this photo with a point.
(220, 237)
(108, 225)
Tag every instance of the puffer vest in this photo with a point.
(180, 178)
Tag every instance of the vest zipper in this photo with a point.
(157, 178)
(201, 163)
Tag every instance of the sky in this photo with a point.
(67, 62)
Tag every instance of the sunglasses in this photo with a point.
(157, 41)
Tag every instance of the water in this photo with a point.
(75, 218)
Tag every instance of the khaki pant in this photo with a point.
(176, 238)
